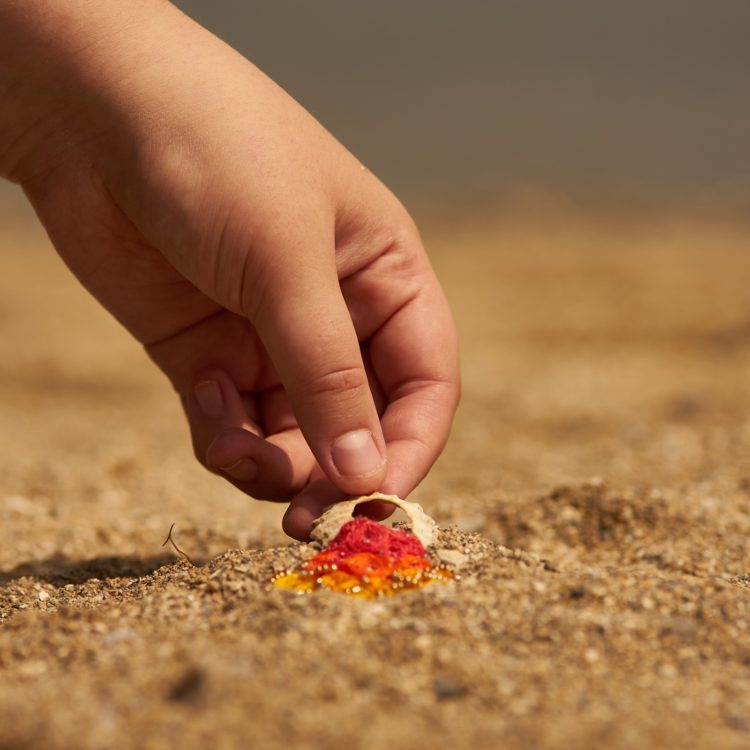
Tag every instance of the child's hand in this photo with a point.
(264, 269)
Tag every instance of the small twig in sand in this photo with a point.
(172, 541)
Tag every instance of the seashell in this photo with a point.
(335, 516)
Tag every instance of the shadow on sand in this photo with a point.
(59, 570)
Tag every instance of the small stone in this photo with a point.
(740, 723)
(118, 635)
(453, 557)
(669, 671)
(34, 668)
(18, 505)
(591, 655)
(189, 686)
(448, 688)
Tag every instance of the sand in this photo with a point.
(597, 482)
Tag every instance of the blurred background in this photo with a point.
(641, 103)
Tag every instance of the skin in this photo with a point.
(282, 289)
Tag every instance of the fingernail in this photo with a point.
(244, 470)
(355, 454)
(210, 398)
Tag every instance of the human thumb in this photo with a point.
(303, 321)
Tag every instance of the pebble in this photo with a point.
(448, 688)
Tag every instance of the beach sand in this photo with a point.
(597, 481)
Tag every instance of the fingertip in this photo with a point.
(308, 506)
(297, 523)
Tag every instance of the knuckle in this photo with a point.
(339, 382)
(240, 266)
(400, 262)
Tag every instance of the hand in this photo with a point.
(281, 287)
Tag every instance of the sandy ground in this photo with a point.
(598, 479)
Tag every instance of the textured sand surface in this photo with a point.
(598, 482)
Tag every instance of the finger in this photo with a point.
(231, 444)
(416, 428)
(313, 500)
(214, 405)
(275, 468)
(308, 333)
(396, 301)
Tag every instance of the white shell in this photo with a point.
(335, 516)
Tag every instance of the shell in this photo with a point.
(335, 516)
